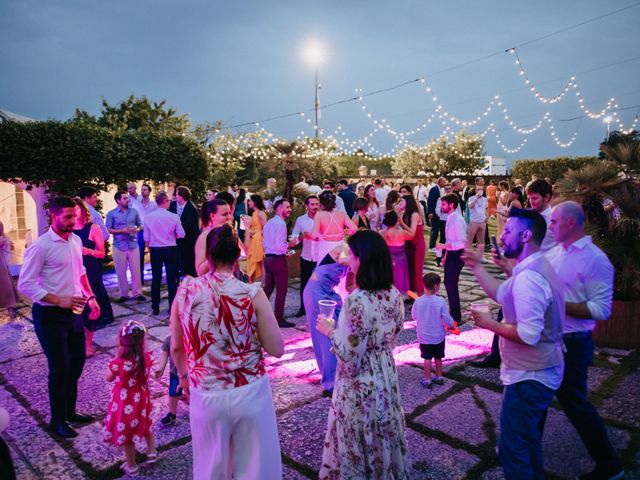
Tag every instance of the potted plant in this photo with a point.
(610, 194)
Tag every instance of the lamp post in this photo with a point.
(607, 120)
(314, 55)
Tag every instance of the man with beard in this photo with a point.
(532, 301)
(54, 277)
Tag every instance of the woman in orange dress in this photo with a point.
(253, 241)
(492, 199)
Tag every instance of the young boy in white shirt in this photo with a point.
(431, 312)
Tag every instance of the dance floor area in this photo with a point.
(452, 429)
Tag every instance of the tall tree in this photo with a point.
(137, 114)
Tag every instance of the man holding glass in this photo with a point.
(54, 277)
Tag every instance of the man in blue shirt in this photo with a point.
(123, 223)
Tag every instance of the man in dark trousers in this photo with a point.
(188, 214)
(347, 196)
(276, 274)
(162, 230)
(432, 199)
(54, 277)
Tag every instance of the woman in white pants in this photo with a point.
(219, 326)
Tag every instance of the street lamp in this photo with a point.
(314, 55)
(608, 119)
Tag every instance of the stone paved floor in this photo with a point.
(452, 429)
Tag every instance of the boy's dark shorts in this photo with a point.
(429, 351)
(174, 382)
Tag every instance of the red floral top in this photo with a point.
(219, 331)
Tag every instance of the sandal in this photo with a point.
(130, 471)
(152, 457)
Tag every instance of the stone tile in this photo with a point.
(458, 416)
(18, 340)
(290, 391)
(302, 440)
(121, 309)
(618, 352)
(94, 392)
(108, 337)
(412, 394)
(432, 459)
(47, 457)
(563, 450)
(159, 331)
(289, 473)
(491, 375)
(175, 463)
(620, 405)
(597, 376)
(493, 474)
(91, 448)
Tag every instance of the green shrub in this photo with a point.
(554, 168)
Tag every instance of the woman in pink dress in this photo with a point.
(219, 326)
(396, 236)
(416, 248)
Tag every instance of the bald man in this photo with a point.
(587, 275)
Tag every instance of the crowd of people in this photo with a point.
(362, 258)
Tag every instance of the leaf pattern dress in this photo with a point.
(365, 433)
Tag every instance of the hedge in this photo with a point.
(554, 168)
(64, 156)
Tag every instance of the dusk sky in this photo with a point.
(241, 62)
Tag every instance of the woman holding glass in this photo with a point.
(365, 433)
(321, 288)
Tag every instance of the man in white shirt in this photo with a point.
(456, 234)
(380, 192)
(143, 205)
(477, 206)
(422, 193)
(54, 277)
(276, 275)
(301, 231)
(587, 275)
(539, 198)
(530, 341)
(162, 228)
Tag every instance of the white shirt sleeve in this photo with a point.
(532, 295)
(180, 233)
(31, 268)
(598, 286)
(297, 228)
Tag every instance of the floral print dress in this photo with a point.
(365, 433)
(128, 417)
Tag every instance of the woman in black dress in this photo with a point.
(360, 207)
(92, 254)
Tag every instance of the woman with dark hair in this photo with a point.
(393, 198)
(396, 236)
(365, 433)
(416, 248)
(219, 326)
(373, 209)
(360, 207)
(253, 238)
(213, 214)
(329, 224)
(240, 210)
(93, 252)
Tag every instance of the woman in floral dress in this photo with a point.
(219, 326)
(365, 433)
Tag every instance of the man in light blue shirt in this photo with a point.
(123, 223)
